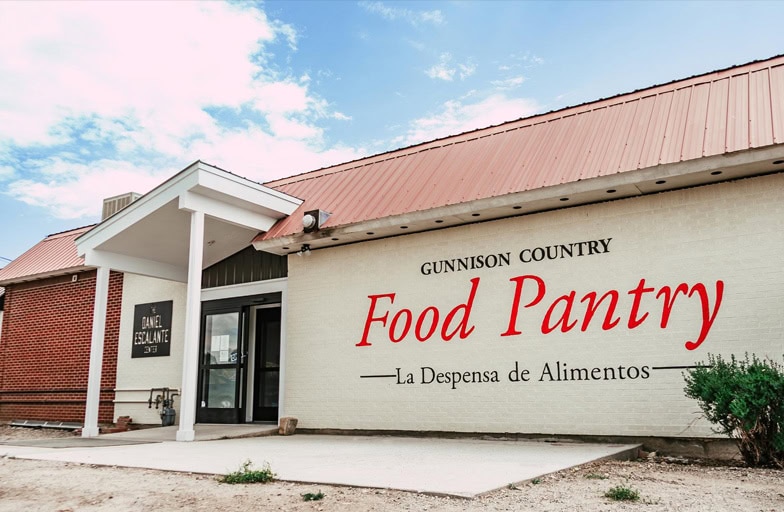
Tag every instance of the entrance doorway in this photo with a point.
(239, 367)
(266, 378)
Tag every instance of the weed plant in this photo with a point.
(622, 493)
(247, 475)
(313, 496)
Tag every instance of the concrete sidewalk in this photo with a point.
(204, 432)
(456, 467)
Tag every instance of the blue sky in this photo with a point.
(102, 98)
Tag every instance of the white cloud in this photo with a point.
(435, 17)
(466, 70)
(6, 172)
(457, 117)
(288, 128)
(118, 59)
(257, 155)
(288, 32)
(117, 96)
(446, 71)
(508, 83)
(442, 70)
(525, 60)
(282, 98)
(69, 184)
(533, 60)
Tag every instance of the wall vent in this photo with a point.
(114, 204)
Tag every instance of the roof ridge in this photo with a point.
(68, 232)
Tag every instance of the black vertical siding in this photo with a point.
(246, 266)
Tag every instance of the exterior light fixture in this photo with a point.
(313, 220)
(304, 250)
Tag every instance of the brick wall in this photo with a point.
(45, 348)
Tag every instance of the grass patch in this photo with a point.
(595, 476)
(622, 493)
(247, 475)
(536, 481)
(313, 496)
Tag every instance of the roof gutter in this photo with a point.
(46, 275)
(661, 178)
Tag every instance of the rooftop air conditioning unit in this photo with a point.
(114, 204)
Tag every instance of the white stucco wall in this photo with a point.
(729, 233)
(135, 376)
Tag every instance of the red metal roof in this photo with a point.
(53, 255)
(725, 111)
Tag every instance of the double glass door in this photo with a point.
(239, 368)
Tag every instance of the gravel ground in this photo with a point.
(662, 483)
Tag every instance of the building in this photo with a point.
(45, 335)
(44, 361)
(551, 275)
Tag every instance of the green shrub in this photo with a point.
(313, 496)
(247, 475)
(622, 493)
(745, 398)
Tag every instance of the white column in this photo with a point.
(190, 356)
(90, 428)
(282, 375)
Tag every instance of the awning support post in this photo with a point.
(190, 356)
(90, 428)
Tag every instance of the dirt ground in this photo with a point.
(662, 483)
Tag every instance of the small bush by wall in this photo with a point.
(745, 398)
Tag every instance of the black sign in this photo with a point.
(152, 329)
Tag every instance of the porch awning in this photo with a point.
(151, 236)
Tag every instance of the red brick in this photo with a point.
(45, 348)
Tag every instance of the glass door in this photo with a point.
(222, 365)
(266, 379)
